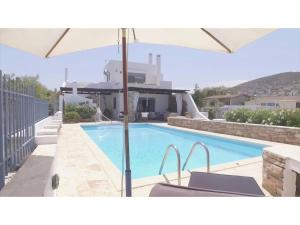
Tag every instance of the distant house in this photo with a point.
(221, 100)
(285, 102)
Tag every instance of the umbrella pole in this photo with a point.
(125, 100)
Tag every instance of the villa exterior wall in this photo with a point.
(286, 135)
(107, 102)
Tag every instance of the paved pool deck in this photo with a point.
(82, 173)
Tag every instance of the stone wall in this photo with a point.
(288, 135)
(298, 185)
(273, 167)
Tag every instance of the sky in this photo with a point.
(275, 53)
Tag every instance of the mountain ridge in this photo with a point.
(281, 84)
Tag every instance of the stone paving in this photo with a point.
(82, 174)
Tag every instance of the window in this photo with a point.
(115, 102)
(297, 105)
(139, 78)
(151, 105)
(146, 105)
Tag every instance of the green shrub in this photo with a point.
(85, 111)
(294, 118)
(238, 115)
(70, 108)
(229, 116)
(261, 116)
(71, 117)
(211, 114)
(280, 117)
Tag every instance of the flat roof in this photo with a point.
(110, 91)
(225, 96)
(281, 98)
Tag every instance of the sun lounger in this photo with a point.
(210, 185)
(169, 190)
(222, 182)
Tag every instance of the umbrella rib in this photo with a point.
(217, 40)
(57, 42)
(134, 36)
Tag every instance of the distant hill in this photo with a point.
(275, 85)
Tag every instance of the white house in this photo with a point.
(147, 92)
(284, 102)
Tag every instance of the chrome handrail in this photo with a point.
(191, 152)
(178, 161)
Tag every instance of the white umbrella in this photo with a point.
(52, 42)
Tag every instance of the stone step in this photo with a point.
(52, 126)
(55, 121)
(46, 139)
(47, 132)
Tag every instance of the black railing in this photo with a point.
(19, 111)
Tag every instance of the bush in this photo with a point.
(70, 108)
(265, 116)
(238, 115)
(294, 118)
(211, 114)
(260, 116)
(71, 117)
(82, 111)
(85, 111)
(278, 117)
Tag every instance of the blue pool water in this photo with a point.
(148, 144)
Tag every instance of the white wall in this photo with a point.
(192, 108)
(76, 99)
(107, 101)
(115, 67)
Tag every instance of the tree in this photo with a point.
(200, 94)
(41, 91)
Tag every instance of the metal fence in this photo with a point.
(41, 109)
(19, 111)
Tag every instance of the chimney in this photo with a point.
(158, 64)
(150, 61)
(66, 75)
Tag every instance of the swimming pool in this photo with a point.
(148, 144)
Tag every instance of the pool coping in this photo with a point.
(115, 176)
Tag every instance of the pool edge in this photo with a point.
(114, 173)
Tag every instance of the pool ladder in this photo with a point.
(178, 161)
(192, 151)
(187, 159)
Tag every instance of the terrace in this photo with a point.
(43, 155)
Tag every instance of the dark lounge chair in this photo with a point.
(210, 185)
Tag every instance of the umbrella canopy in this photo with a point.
(52, 42)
